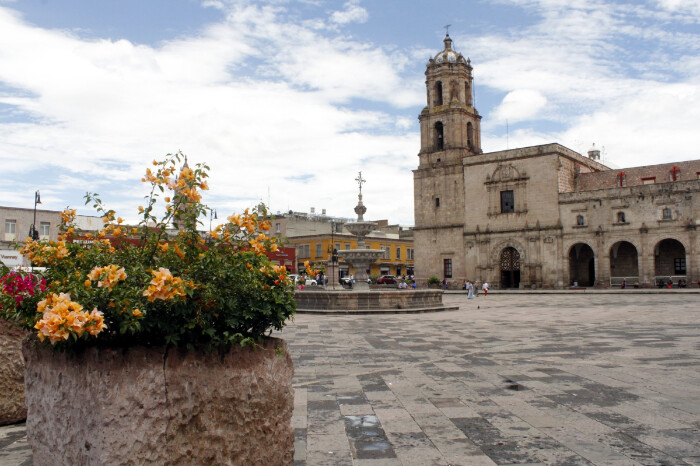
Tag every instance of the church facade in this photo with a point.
(542, 216)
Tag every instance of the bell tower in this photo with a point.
(450, 131)
(450, 126)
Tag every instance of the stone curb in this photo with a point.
(378, 311)
(587, 291)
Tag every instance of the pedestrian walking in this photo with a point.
(470, 290)
(485, 287)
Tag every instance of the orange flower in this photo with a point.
(164, 286)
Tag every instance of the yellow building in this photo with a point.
(317, 249)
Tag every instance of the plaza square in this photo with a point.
(520, 378)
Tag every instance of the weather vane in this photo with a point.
(447, 29)
(360, 180)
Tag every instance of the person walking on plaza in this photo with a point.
(470, 290)
(485, 287)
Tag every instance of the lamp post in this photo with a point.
(33, 233)
(334, 257)
(212, 215)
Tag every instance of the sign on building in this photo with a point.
(12, 258)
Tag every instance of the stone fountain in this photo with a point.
(361, 258)
(361, 299)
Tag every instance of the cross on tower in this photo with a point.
(447, 29)
(360, 180)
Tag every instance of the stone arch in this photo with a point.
(513, 243)
(581, 264)
(438, 93)
(439, 136)
(513, 279)
(624, 262)
(505, 172)
(669, 259)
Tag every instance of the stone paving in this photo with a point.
(605, 379)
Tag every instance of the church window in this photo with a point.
(667, 213)
(507, 201)
(439, 136)
(470, 135)
(580, 221)
(467, 94)
(447, 268)
(679, 266)
(621, 217)
(438, 93)
(437, 202)
(650, 180)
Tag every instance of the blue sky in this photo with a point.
(287, 100)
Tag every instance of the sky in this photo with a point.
(287, 100)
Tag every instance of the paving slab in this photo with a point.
(513, 378)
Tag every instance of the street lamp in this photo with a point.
(33, 233)
(212, 215)
(334, 257)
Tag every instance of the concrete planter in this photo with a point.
(12, 407)
(151, 405)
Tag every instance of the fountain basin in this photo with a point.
(369, 302)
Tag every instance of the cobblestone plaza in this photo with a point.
(594, 378)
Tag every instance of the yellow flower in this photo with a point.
(164, 286)
(136, 313)
(63, 317)
(108, 276)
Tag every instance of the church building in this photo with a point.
(542, 216)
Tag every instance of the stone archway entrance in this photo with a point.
(669, 261)
(581, 265)
(510, 268)
(624, 264)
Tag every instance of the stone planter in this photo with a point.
(12, 407)
(151, 405)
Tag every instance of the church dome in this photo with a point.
(448, 55)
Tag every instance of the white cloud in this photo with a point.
(605, 78)
(681, 6)
(102, 109)
(520, 104)
(353, 13)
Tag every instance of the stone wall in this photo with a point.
(151, 405)
(368, 300)
(633, 175)
(12, 407)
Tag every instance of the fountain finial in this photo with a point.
(360, 208)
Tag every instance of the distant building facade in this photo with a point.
(15, 224)
(315, 236)
(542, 216)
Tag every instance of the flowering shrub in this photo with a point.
(150, 284)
